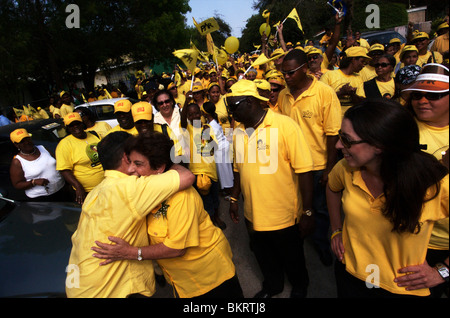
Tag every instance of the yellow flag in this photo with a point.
(207, 26)
(294, 15)
(189, 58)
(210, 44)
(263, 59)
(18, 112)
(33, 112)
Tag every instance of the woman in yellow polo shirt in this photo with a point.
(391, 193)
(383, 85)
(193, 253)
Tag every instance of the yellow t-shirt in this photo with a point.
(222, 114)
(133, 131)
(101, 128)
(387, 89)
(318, 112)
(336, 79)
(207, 262)
(441, 44)
(367, 234)
(81, 157)
(268, 162)
(437, 141)
(367, 73)
(117, 207)
(66, 109)
(180, 100)
(423, 59)
(202, 146)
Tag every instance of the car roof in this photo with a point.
(110, 101)
(35, 245)
(31, 125)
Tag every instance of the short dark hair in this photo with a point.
(156, 147)
(298, 55)
(162, 92)
(111, 149)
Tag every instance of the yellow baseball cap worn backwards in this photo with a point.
(18, 135)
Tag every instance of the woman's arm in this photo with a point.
(18, 177)
(334, 210)
(121, 250)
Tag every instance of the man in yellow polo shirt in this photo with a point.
(316, 108)
(272, 168)
(421, 40)
(193, 253)
(122, 111)
(118, 206)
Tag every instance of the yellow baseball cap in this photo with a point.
(408, 48)
(17, 135)
(420, 35)
(395, 40)
(123, 105)
(314, 50)
(197, 87)
(377, 47)
(356, 51)
(442, 26)
(276, 52)
(262, 84)
(203, 184)
(142, 111)
(245, 88)
(71, 117)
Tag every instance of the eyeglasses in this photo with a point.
(167, 101)
(232, 107)
(292, 71)
(429, 96)
(313, 57)
(275, 90)
(383, 65)
(347, 142)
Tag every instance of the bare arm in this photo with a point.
(334, 210)
(121, 250)
(79, 189)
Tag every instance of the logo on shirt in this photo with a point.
(307, 114)
(92, 153)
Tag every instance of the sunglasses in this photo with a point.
(292, 71)
(275, 90)
(167, 101)
(347, 142)
(383, 65)
(429, 96)
(313, 57)
(232, 107)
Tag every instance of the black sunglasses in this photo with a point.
(429, 96)
(313, 57)
(347, 142)
(291, 72)
(381, 65)
(232, 107)
(167, 101)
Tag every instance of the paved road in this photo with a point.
(322, 283)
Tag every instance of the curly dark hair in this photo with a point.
(156, 147)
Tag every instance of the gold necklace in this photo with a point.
(28, 154)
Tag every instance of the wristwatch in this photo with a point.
(308, 212)
(139, 258)
(443, 271)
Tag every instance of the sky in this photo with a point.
(234, 12)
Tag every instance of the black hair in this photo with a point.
(87, 112)
(111, 149)
(162, 92)
(406, 171)
(390, 58)
(156, 147)
(210, 109)
(298, 55)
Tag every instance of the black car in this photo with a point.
(45, 132)
(35, 245)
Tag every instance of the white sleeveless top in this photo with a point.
(44, 167)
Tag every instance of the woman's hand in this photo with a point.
(80, 195)
(418, 277)
(41, 182)
(120, 250)
(338, 247)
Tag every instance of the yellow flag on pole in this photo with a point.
(294, 15)
(263, 59)
(188, 56)
(207, 26)
(210, 44)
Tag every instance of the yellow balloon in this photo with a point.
(222, 57)
(264, 28)
(231, 44)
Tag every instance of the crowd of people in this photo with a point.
(346, 142)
